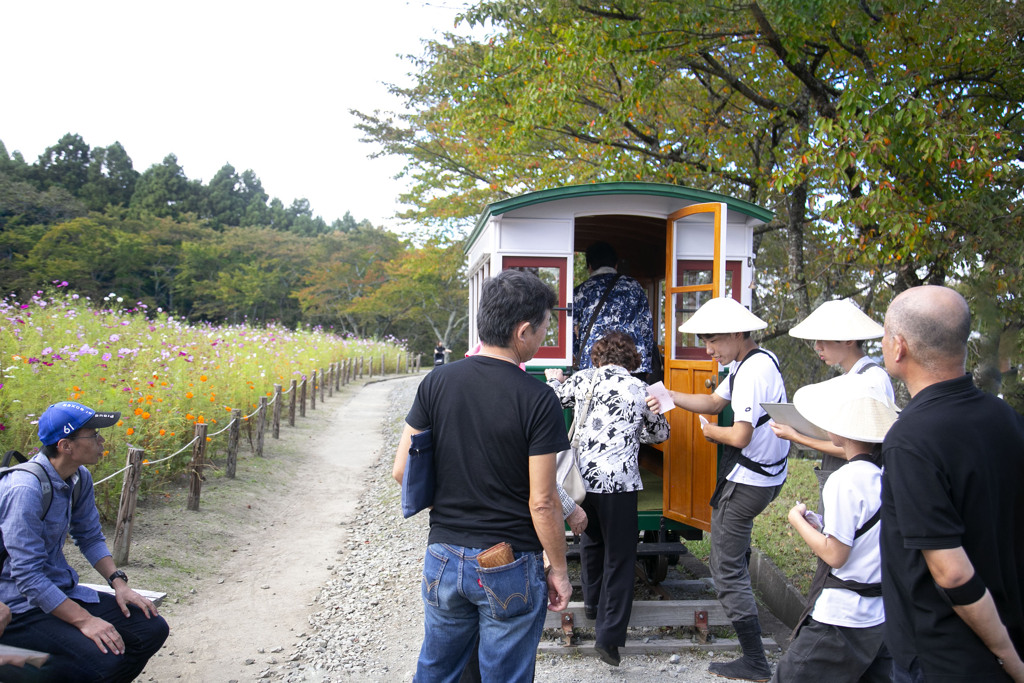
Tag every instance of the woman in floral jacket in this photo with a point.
(616, 421)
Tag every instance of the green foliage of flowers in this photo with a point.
(162, 374)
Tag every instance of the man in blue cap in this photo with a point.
(90, 636)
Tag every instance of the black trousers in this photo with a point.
(608, 560)
(75, 657)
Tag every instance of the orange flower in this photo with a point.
(131, 430)
(190, 416)
(188, 394)
(138, 411)
(145, 416)
(145, 461)
(162, 432)
(227, 408)
(209, 438)
(120, 423)
(202, 378)
(201, 420)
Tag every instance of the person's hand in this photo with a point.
(1014, 667)
(5, 616)
(126, 596)
(103, 634)
(783, 431)
(797, 512)
(654, 405)
(559, 590)
(554, 373)
(577, 521)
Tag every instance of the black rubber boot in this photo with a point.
(753, 665)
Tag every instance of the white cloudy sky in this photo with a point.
(260, 85)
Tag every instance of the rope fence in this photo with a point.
(324, 381)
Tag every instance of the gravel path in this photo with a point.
(368, 623)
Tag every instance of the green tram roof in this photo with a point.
(600, 189)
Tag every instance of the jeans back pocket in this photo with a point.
(433, 566)
(508, 588)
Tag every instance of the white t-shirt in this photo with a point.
(758, 382)
(876, 373)
(851, 496)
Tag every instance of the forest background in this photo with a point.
(885, 135)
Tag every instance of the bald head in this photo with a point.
(935, 323)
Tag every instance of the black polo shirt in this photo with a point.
(954, 468)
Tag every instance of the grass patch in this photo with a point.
(776, 538)
(772, 533)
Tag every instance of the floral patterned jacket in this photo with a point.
(616, 424)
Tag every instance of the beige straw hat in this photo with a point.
(852, 406)
(839, 320)
(722, 315)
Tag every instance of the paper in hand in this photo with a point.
(660, 393)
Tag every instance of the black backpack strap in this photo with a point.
(867, 590)
(597, 310)
(732, 377)
(39, 472)
(868, 366)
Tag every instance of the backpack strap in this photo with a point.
(868, 366)
(732, 379)
(593, 317)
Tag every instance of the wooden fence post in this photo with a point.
(330, 380)
(261, 426)
(126, 510)
(302, 398)
(233, 433)
(196, 467)
(369, 374)
(348, 372)
(419, 358)
(322, 382)
(337, 376)
(292, 397)
(312, 391)
(362, 363)
(383, 367)
(277, 411)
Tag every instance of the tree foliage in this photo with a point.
(885, 135)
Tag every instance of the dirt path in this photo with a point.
(243, 572)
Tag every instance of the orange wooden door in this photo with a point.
(690, 461)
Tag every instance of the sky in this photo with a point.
(261, 85)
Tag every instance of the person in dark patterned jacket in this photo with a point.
(625, 309)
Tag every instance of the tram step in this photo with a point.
(651, 613)
(661, 646)
(572, 550)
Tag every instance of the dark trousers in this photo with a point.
(74, 657)
(838, 654)
(608, 560)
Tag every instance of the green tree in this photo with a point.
(164, 190)
(425, 294)
(345, 267)
(65, 164)
(110, 178)
(885, 135)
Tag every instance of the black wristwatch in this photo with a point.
(117, 575)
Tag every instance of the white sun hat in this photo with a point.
(839, 320)
(722, 315)
(852, 406)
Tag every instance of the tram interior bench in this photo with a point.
(37, 659)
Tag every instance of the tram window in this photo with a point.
(696, 274)
(552, 272)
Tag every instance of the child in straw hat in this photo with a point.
(838, 329)
(839, 637)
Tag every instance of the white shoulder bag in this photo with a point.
(567, 462)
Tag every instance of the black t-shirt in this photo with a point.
(954, 464)
(488, 418)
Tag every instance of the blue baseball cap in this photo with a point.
(61, 419)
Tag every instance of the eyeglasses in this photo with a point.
(96, 437)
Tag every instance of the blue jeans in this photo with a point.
(75, 657)
(504, 606)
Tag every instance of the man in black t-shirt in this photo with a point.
(952, 536)
(495, 430)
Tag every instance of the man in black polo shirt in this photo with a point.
(952, 511)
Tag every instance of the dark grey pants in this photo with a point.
(838, 654)
(731, 524)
